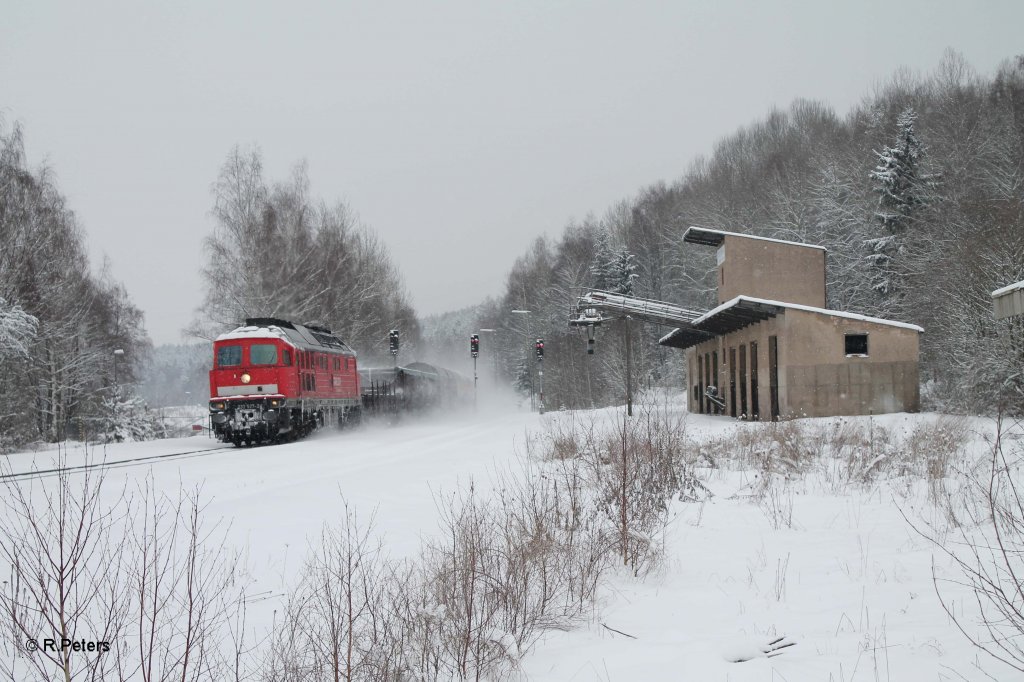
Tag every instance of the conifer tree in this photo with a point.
(622, 269)
(903, 188)
(600, 268)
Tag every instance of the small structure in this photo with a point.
(1009, 301)
(771, 349)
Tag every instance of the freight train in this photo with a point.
(273, 380)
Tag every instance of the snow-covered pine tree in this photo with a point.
(623, 273)
(903, 190)
(900, 183)
(601, 267)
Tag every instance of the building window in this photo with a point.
(857, 344)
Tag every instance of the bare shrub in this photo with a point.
(508, 569)
(143, 575)
(649, 461)
(66, 575)
(333, 625)
(990, 558)
(933, 448)
(184, 590)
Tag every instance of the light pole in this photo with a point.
(533, 400)
(494, 351)
(118, 352)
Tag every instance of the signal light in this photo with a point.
(539, 347)
(474, 345)
(393, 341)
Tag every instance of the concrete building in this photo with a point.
(771, 349)
(1009, 301)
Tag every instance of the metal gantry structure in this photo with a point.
(595, 307)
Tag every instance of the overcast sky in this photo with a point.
(459, 131)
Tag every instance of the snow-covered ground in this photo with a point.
(844, 576)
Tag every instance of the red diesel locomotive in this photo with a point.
(275, 380)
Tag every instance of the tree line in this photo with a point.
(916, 193)
(60, 323)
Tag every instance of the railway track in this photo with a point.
(116, 464)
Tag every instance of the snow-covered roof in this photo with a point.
(709, 237)
(1007, 289)
(254, 332)
(796, 306)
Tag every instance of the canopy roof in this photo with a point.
(744, 311)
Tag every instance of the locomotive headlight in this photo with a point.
(217, 406)
(275, 403)
(246, 378)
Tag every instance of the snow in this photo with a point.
(849, 581)
(1007, 289)
(253, 332)
(750, 236)
(796, 306)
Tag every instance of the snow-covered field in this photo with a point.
(839, 572)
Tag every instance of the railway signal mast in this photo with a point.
(393, 343)
(474, 350)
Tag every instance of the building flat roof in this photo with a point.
(709, 237)
(746, 301)
(1007, 289)
(744, 311)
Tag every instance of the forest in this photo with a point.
(917, 192)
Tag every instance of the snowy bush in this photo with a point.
(128, 419)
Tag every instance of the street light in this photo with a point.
(494, 351)
(118, 352)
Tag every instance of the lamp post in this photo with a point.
(118, 352)
(494, 351)
(529, 336)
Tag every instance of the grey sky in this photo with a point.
(459, 131)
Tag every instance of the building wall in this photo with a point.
(821, 380)
(1009, 304)
(771, 270)
(815, 376)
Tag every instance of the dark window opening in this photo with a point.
(286, 358)
(743, 381)
(754, 402)
(714, 376)
(700, 385)
(773, 376)
(732, 382)
(229, 356)
(856, 344)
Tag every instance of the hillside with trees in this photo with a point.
(918, 194)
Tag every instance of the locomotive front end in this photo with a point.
(248, 384)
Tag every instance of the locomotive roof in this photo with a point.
(307, 337)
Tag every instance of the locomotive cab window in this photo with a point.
(229, 356)
(263, 354)
(856, 344)
(286, 358)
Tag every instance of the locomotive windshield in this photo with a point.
(229, 356)
(263, 354)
